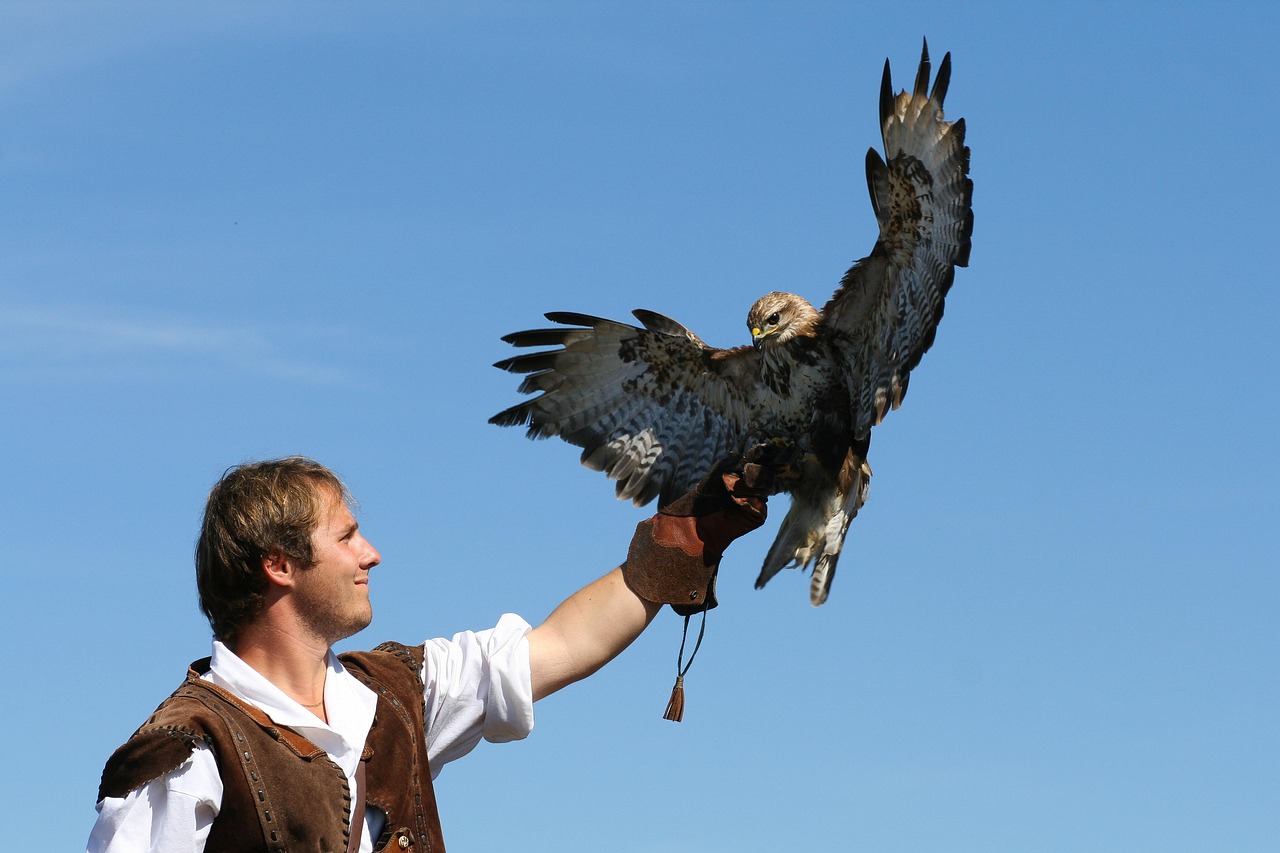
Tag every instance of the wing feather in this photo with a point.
(885, 314)
(653, 408)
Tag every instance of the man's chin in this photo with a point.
(336, 631)
(358, 625)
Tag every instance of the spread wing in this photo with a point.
(654, 408)
(883, 317)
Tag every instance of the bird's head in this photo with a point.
(777, 318)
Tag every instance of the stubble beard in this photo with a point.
(331, 623)
(332, 627)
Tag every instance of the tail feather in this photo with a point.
(824, 570)
(794, 543)
(814, 529)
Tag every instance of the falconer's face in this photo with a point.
(334, 592)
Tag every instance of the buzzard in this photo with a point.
(654, 407)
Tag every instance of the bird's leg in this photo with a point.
(796, 459)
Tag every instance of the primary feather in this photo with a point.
(654, 407)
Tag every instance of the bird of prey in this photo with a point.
(655, 408)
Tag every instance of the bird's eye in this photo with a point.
(773, 319)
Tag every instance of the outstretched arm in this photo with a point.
(585, 632)
(673, 560)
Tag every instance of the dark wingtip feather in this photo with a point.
(876, 171)
(512, 337)
(517, 415)
(942, 81)
(886, 95)
(537, 337)
(529, 362)
(572, 318)
(922, 73)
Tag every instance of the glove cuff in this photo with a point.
(666, 564)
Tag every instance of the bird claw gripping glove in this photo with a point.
(674, 555)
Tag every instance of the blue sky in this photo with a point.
(238, 230)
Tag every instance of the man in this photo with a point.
(276, 743)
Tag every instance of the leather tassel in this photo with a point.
(675, 707)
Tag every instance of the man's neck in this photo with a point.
(293, 661)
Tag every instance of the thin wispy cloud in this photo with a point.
(75, 343)
(42, 44)
(44, 38)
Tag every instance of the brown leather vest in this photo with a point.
(281, 792)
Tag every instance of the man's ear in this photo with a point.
(278, 568)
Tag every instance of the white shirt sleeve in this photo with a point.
(170, 814)
(478, 685)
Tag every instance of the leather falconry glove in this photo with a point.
(675, 555)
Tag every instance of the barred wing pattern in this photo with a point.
(885, 314)
(654, 408)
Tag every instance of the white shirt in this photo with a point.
(478, 685)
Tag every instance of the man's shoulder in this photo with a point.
(387, 656)
(389, 667)
(180, 725)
